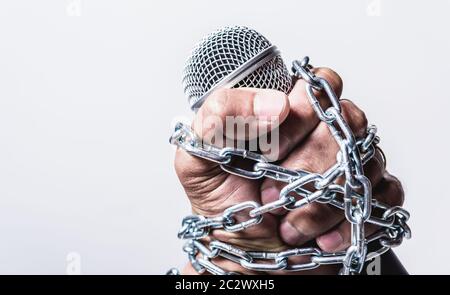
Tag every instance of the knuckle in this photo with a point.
(396, 192)
(308, 220)
(216, 104)
(198, 180)
(179, 164)
(314, 216)
(209, 121)
(192, 170)
(332, 77)
(305, 162)
(390, 191)
(317, 154)
(355, 117)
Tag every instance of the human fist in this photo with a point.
(299, 141)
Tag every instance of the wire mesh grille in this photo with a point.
(222, 52)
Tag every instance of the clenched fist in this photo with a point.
(304, 142)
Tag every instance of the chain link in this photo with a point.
(355, 197)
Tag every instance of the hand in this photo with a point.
(304, 143)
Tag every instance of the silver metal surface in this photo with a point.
(233, 57)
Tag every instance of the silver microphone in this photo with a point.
(233, 57)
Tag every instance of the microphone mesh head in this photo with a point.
(222, 52)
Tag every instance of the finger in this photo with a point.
(388, 191)
(254, 111)
(316, 154)
(357, 121)
(195, 173)
(318, 151)
(302, 118)
(375, 168)
(209, 189)
(306, 223)
(339, 238)
(355, 117)
(315, 219)
(262, 108)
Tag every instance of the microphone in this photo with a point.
(233, 57)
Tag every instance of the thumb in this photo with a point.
(240, 113)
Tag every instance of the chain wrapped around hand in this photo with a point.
(354, 197)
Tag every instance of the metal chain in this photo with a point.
(354, 197)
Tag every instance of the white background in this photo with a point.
(89, 90)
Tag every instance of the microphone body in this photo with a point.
(233, 57)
